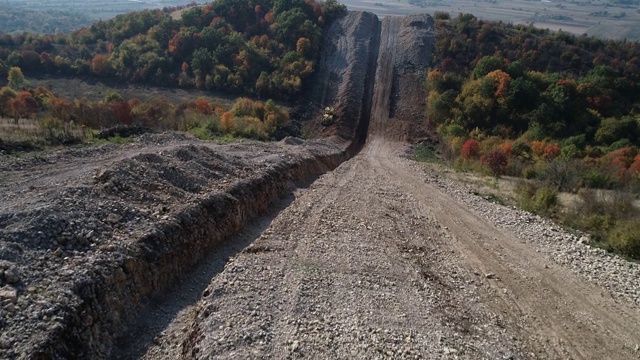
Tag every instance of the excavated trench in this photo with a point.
(113, 294)
(110, 301)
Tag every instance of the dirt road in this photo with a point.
(376, 261)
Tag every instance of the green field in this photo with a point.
(610, 20)
(93, 8)
(598, 18)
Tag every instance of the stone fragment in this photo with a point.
(8, 295)
(12, 275)
(113, 218)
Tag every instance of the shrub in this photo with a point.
(470, 149)
(521, 149)
(490, 144)
(228, 122)
(625, 238)
(516, 167)
(455, 145)
(497, 162)
(562, 174)
(634, 168)
(622, 143)
(545, 199)
(600, 177)
(507, 147)
(539, 200)
(552, 151)
(529, 172)
(571, 151)
(454, 130)
(441, 15)
(424, 153)
(251, 127)
(537, 147)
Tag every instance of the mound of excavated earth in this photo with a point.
(86, 238)
(378, 258)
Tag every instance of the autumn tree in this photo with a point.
(100, 65)
(15, 77)
(497, 162)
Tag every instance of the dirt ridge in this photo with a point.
(158, 258)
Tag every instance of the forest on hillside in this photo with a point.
(266, 48)
(520, 84)
(559, 110)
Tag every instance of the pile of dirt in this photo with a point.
(79, 259)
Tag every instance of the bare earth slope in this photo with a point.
(376, 260)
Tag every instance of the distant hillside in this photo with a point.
(265, 48)
(586, 74)
(70, 15)
(18, 20)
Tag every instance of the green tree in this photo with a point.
(488, 64)
(15, 78)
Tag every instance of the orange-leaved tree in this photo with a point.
(470, 149)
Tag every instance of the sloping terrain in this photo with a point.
(378, 258)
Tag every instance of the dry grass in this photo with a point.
(29, 133)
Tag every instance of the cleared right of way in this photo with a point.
(374, 261)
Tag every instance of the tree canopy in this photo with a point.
(262, 47)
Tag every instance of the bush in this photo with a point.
(618, 204)
(552, 151)
(497, 162)
(521, 149)
(424, 153)
(517, 167)
(529, 172)
(600, 177)
(454, 130)
(470, 149)
(625, 238)
(545, 199)
(562, 174)
(540, 200)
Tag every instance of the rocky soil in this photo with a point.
(88, 236)
(379, 258)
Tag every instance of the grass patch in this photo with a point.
(542, 200)
(425, 153)
(118, 139)
(625, 238)
(31, 135)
